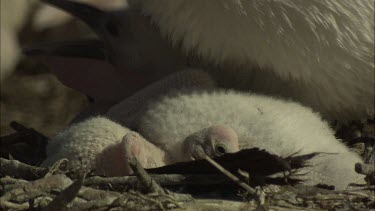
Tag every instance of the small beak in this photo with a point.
(90, 15)
(198, 153)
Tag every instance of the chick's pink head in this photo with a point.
(214, 141)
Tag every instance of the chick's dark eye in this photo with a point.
(221, 149)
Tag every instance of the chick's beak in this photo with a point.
(198, 152)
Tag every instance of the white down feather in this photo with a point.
(281, 127)
(81, 143)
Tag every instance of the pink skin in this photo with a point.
(214, 141)
(114, 160)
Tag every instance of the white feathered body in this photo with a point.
(98, 144)
(105, 146)
(322, 49)
(280, 127)
(130, 109)
(82, 142)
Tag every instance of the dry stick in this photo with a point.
(66, 196)
(7, 183)
(152, 186)
(91, 194)
(146, 181)
(170, 180)
(257, 194)
(7, 180)
(33, 189)
(6, 205)
(59, 166)
(230, 175)
(97, 204)
(15, 168)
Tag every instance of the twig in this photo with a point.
(90, 194)
(17, 169)
(164, 180)
(258, 194)
(93, 205)
(147, 182)
(66, 196)
(59, 166)
(32, 190)
(152, 187)
(6, 205)
(45, 184)
(229, 175)
(7, 183)
(11, 181)
(152, 201)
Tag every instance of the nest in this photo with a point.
(225, 183)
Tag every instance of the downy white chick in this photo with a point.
(95, 139)
(129, 110)
(104, 146)
(278, 126)
(317, 52)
